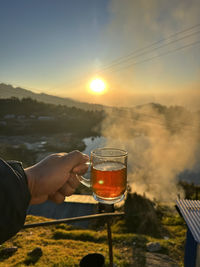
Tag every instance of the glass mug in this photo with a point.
(108, 175)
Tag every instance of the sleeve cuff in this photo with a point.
(14, 198)
(19, 170)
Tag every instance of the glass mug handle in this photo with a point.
(83, 180)
(108, 175)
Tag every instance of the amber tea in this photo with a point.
(108, 174)
(109, 179)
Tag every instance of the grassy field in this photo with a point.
(62, 245)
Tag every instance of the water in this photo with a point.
(93, 142)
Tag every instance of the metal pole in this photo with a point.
(109, 233)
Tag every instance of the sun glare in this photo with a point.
(97, 86)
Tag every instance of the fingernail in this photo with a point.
(86, 156)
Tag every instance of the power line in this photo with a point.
(157, 56)
(152, 50)
(135, 53)
(139, 52)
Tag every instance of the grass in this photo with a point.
(62, 245)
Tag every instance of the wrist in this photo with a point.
(30, 179)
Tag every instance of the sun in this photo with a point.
(97, 86)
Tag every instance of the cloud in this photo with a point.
(157, 154)
(169, 80)
(140, 21)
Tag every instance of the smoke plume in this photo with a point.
(161, 143)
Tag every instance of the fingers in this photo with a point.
(56, 173)
(70, 186)
(81, 169)
(74, 159)
(38, 200)
(67, 190)
(73, 181)
(57, 197)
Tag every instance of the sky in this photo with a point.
(144, 50)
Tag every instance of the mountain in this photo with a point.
(8, 91)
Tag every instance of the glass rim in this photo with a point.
(123, 152)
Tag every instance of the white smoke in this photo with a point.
(160, 146)
(161, 141)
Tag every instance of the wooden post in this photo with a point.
(197, 192)
(74, 219)
(109, 233)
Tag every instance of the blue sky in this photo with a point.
(57, 46)
(44, 38)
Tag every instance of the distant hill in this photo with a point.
(7, 91)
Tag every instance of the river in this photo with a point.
(92, 143)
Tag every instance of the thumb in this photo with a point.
(74, 159)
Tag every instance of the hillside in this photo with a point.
(30, 130)
(26, 116)
(64, 245)
(8, 91)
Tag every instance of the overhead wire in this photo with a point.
(159, 55)
(134, 54)
(145, 50)
(149, 59)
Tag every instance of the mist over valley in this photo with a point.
(162, 141)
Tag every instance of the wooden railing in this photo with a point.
(106, 216)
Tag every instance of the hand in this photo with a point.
(55, 176)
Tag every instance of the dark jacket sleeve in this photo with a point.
(14, 198)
